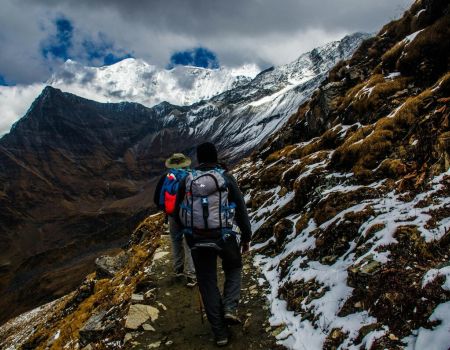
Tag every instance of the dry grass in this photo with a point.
(273, 157)
(369, 96)
(428, 53)
(107, 293)
(390, 57)
(362, 152)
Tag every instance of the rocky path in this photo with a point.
(178, 324)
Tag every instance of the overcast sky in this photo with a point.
(37, 35)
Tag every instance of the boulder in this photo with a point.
(108, 266)
(139, 314)
(95, 328)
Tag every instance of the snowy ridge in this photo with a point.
(247, 106)
(240, 119)
(137, 81)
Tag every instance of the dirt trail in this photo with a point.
(179, 323)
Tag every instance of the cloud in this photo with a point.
(75, 44)
(198, 57)
(265, 32)
(15, 100)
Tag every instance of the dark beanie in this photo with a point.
(206, 153)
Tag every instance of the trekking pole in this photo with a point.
(200, 304)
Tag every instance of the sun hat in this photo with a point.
(178, 160)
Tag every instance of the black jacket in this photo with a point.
(234, 195)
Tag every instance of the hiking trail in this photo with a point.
(179, 325)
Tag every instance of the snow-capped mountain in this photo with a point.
(137, 81)
(238, 120)
(132, 80)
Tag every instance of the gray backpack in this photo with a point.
(205, 205)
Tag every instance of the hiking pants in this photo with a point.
(181, 253)
(205, 261)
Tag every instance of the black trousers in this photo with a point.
(204, 254)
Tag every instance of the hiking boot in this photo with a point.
(191, 281)
(231, 317)
(222, 341)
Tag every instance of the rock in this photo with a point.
(159, 255)
(149, 295)
(154, 345)
(359, 274)
(137, 297)
(393, 337)
(139, 314)
(88, 347)
(108, 266)
(162, 306)
(278, 330)
(281, 230)
(96, 327)
(127, 338)
(336, 334)
(148, 327)
(328, 93)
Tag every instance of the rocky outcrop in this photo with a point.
(108, 266)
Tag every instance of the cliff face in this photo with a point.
(350, 200)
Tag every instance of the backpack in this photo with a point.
(205, 205)
(169, 189)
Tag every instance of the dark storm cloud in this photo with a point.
(266, 32)
(250, 17)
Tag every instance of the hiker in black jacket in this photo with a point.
(208, 244)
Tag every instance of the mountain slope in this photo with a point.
(131, 80)
(97, 164)
(350, 200)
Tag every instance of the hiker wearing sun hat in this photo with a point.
(165, 197)
(178, 161)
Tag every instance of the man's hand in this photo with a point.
(245, 247)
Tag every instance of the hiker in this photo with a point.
(209, 203)
(165, 197)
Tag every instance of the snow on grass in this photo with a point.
(259, 217)
(391, 212)
(437, 338)
(412, 36)
(432, 274)
(392, 75)
(304, 334)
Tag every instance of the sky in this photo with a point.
(36, 36)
